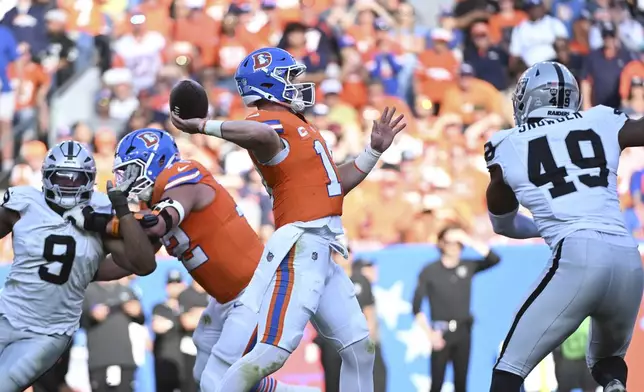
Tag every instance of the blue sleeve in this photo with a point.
(11, 46)
(636, 183)
(395, 64)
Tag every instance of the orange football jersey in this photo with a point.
(215, 244)
(305, 185)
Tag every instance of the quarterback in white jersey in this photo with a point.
(54, 261)
(561, 164)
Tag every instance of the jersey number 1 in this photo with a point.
(333, 186)
(60, 249)
(540, 156)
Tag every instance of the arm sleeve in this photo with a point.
(421, 291)
(489, 261)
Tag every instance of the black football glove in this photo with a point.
(118, 194)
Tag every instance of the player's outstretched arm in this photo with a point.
(108, 270)
(631, 134)
(503, 206)
(7, 219)
(254, 136)
(133, 252)
(383, 132)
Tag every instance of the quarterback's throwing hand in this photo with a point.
(385, 129)
(191, 126)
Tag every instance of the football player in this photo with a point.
(40, 305)
(297, 280)
(561, 164)
(200, 224)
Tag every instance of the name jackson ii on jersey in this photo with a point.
(564, 171)
(53, 264)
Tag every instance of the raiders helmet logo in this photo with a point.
(262, 60)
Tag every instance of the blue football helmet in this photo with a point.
(268, 73)
(152, 150)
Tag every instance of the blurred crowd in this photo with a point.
(452, 77)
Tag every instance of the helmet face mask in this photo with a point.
(68, 172)
(142, 187)
(545, 90)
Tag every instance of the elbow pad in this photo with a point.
(503, 224)
(514, 225)
(161, 209)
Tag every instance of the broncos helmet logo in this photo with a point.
(150, 139)
(262, 60)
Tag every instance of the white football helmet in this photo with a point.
(545, 90)
(68, 174)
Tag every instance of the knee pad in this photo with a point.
(359, 354)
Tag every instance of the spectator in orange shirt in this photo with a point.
(471, 98)
(232, 48)
(32, 85)
(157, 13)
(389, 214)
(379, 100)
(436, 68)
(364, 30)
(633, 69)
(502, 23)
(353, 74)
(264, 23)
(194, 26)
(634, 104)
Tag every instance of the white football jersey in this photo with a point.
(564, 171)
(53, 264)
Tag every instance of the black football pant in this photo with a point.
(457, 351)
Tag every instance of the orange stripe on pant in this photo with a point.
(285, 278)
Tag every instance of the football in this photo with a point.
(188, 99)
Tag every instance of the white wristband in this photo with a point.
(213, 128)
(367, 160)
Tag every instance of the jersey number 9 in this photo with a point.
(540, 157)
(60, 249)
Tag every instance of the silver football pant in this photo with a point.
(590, 274)
(25, 356)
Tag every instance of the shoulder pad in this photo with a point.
(495, 140)
(602, 111)
(18, 198)
(275, 120)
(182, 173)
(101, 203)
